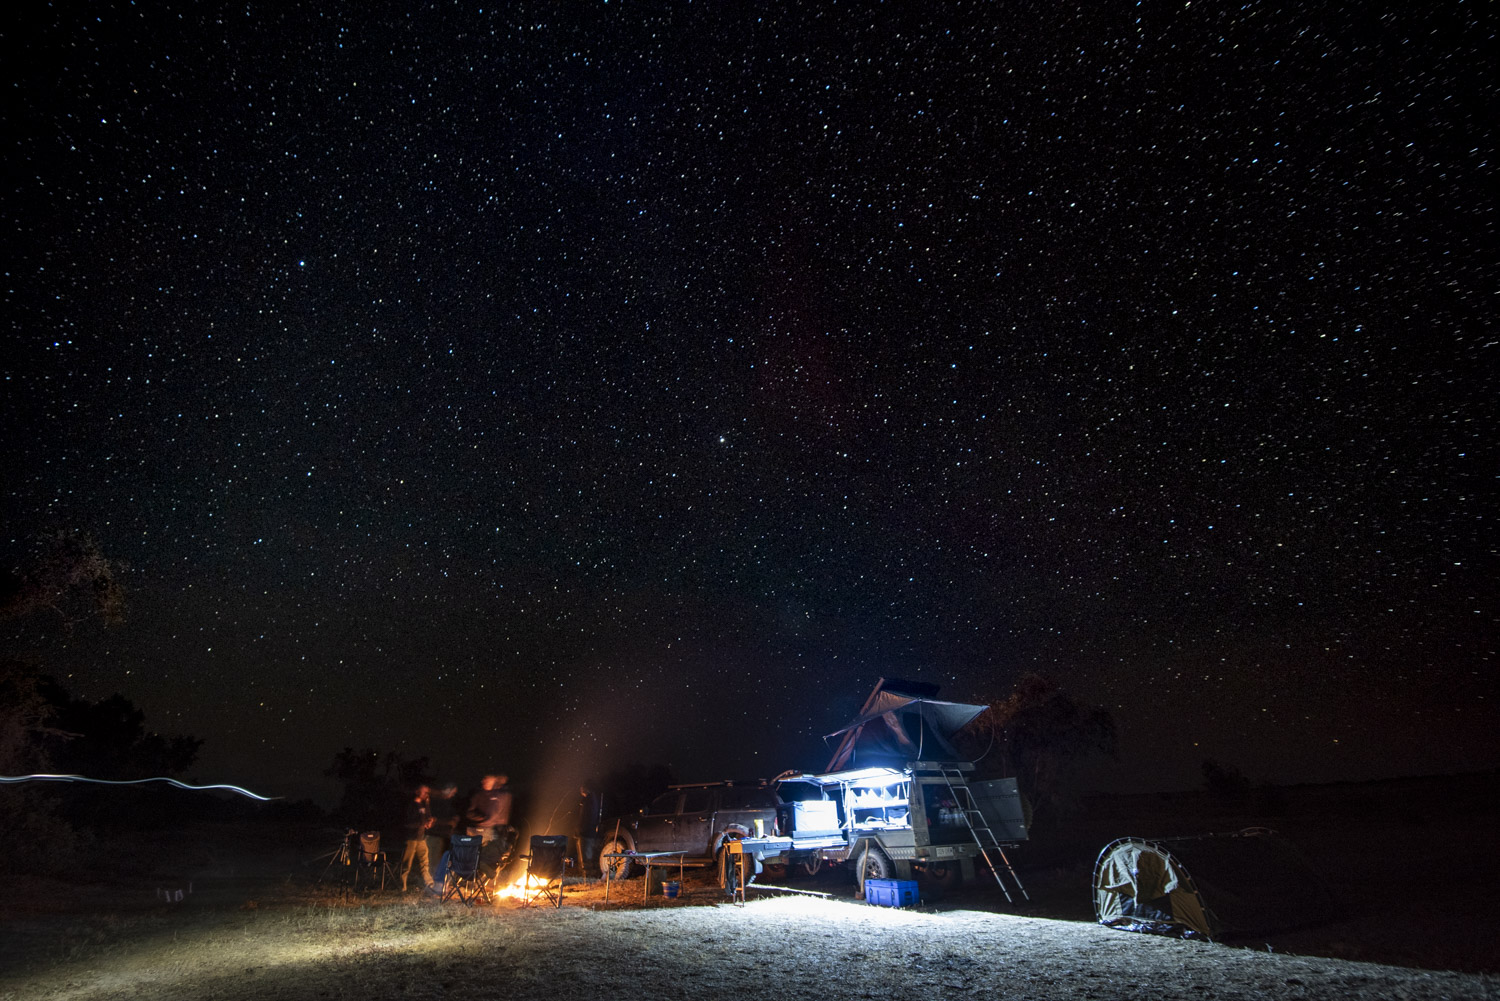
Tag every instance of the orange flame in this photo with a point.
(524, 888)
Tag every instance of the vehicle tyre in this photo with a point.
(777, 870)
(873, 864)
(722, 855)
(615, 868)
(943, 876)
(724, 839)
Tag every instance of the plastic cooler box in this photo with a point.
(890, 892)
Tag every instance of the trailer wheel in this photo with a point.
(873, 864)
(615, 868)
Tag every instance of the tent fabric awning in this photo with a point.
(900, 722)
(947, 717)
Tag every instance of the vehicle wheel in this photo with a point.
(723, 856)
(776, 870)
(873, 864)
(723, 852)
(943, 876)
(615, 868)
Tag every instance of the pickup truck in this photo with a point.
(693, 819)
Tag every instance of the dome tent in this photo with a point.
(1139, 886)
(1209, 886)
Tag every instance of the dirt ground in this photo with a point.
(255, 924)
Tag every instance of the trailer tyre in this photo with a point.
(873, 864)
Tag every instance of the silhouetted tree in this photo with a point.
(1040, 735)
(1224, 781)
(375, 784)
(67, 574)
(108, 739)
(64, 570)
(35, 835)
(26, 719)
(44, 728)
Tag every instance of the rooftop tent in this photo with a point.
(1210, 886)
(901, 722)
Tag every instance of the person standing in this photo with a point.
(414, 826)
(489, 817)
(489, 808)
(444, 823)
(590, 812)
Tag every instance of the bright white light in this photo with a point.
(860, 776)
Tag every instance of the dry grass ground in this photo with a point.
(257, 926)
(783, 946)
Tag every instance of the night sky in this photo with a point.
(572, 384)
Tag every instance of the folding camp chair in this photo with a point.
(465, 880)
(546, 864)
(370, 864)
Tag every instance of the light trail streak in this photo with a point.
(44, 777)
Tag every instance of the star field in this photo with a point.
(614, 381)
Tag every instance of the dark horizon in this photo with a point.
(610, 383)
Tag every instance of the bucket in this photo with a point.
(670, 889)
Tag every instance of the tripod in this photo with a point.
(341, 860)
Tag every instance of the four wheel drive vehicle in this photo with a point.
(693, 819)
(887, 821)
(897, 799)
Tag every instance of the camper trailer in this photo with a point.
(895, 799)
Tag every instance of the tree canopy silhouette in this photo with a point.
(108, 739)
(1040, 735)
(375, 784)
(67, 574)
(44, 728)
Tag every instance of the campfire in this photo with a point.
(523, 887)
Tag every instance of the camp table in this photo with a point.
(647, 860)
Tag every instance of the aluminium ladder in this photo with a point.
(979, 829)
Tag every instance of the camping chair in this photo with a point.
(547, 863)
(464, 879)
(370, 865)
